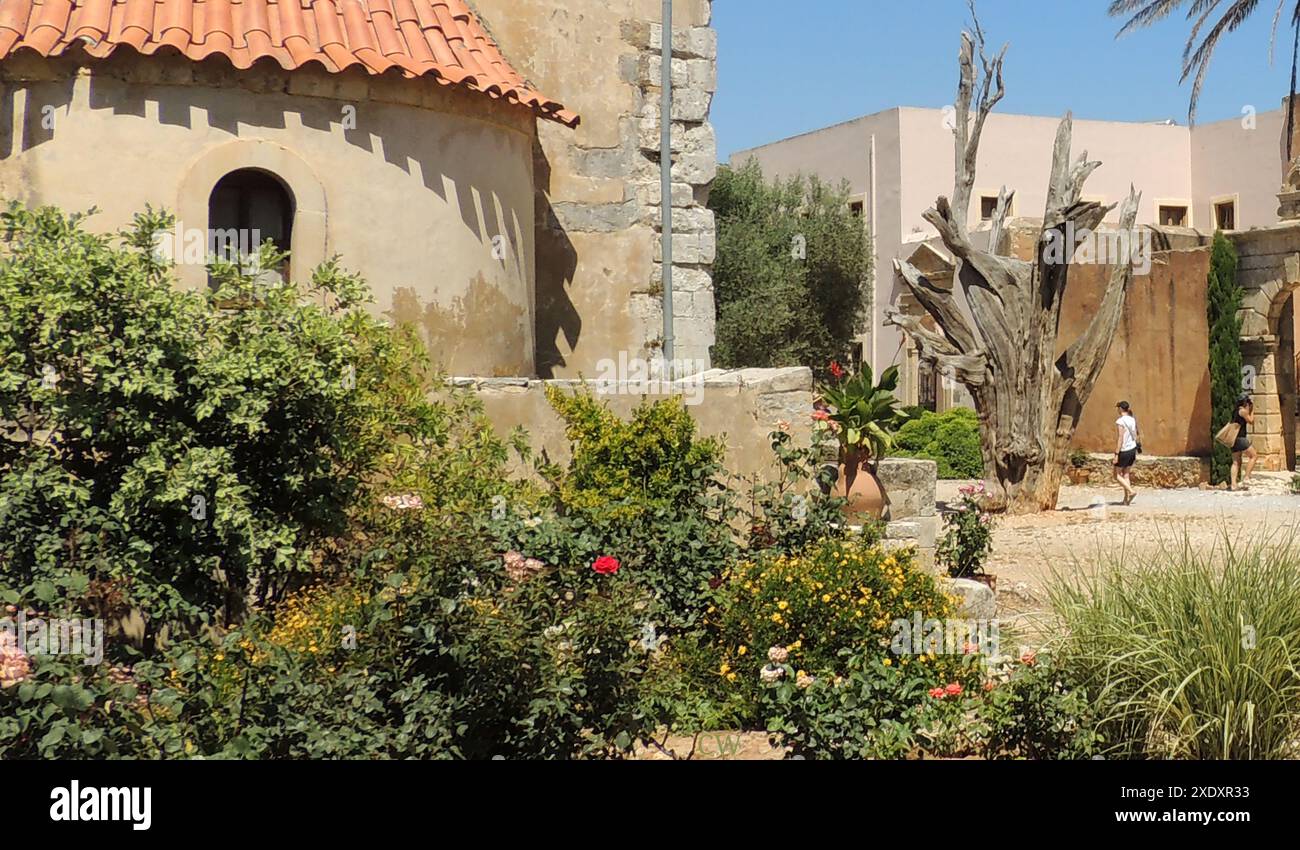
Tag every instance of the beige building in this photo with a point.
(490, 168)
(1214, 176)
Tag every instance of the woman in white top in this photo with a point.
(1126, 449)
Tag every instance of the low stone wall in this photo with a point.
(741, 406)
(910, 515)
(1157, 472)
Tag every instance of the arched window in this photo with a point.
(246, 208)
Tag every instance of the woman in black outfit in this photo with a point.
(1242, 450)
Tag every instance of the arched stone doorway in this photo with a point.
(1268, 348)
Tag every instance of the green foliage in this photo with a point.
(449, 662)
(866, 413)
(775, 307)
(1039, 712)
(1192, 652)
(647, 491)
(837, 596)
(182, 452)
(951, 439)
(1223, 302)
(797, 508)
(967, 539)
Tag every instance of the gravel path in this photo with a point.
(1091, 523)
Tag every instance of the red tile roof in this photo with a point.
(443, 39)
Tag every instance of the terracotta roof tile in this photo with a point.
(442, 39)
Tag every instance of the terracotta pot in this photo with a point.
(859, 484)
(1079, 475)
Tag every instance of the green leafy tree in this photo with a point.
(1223, 299)
(792, 276)
(186, 450)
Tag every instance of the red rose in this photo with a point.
(953, 690)
(605, 565)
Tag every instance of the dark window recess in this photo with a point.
(1173, 216)
(1225, 215)
(988, 206)
(856, 208)
(248, 207)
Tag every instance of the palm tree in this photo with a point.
(1196, 56)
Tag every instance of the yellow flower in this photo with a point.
(726, 668)
(783, 605)
(776, 618)
(742, 649)
(731, 677)
(889, 662)
(826, 597)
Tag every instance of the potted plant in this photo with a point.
(864, 416)
(967, 540)
(1078, 471)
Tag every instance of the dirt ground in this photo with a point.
(1090, 521)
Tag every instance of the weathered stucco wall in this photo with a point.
(599, 278)
(426, 191)
(1159, 359)
(742, 406)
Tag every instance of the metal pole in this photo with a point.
(666, 179)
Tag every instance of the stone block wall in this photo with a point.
(599, 289)
(910, 514)
(742, 406)
(1269, 271)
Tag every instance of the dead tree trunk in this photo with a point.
(1028, 398)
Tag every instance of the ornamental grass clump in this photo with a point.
(1192, 653)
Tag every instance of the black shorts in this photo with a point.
(1241, 445)
(1127, 459)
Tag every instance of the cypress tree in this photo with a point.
(1223, 302)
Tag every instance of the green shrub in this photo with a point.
(155, 440)
(1039, 712)
(837, 596)
(1193, 651)
(796, 508)
(967, 539)
(433, 649)
(647, 491)
(951, 439)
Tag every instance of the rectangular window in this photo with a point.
(1173, 216)
(1225, 215)
(856, 208)
(988, 206)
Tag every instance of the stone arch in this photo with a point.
(308, 246)
(1268, 348)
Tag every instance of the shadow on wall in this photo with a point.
(557, 262)
(39, 118)
(450, 330)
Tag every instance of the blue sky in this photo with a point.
(789, 66)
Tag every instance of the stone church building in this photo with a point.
(490, 167)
